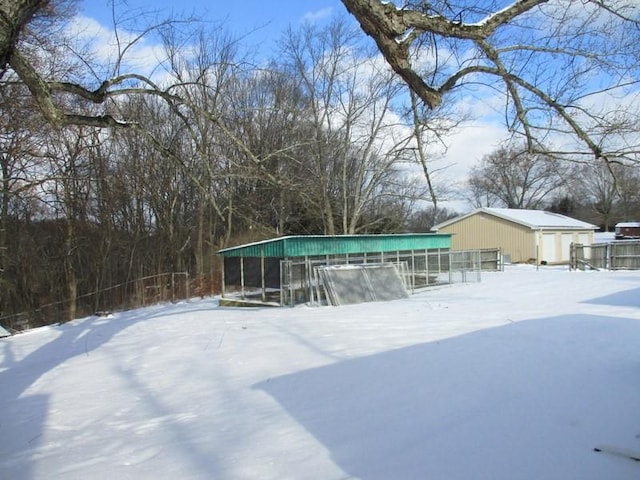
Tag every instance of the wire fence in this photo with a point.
(300, 282)
(141, 292)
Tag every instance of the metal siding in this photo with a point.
(481, 230)
(302, 246)
(310, 246)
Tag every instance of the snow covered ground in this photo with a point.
(518, 377)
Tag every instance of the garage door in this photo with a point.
(548, 253)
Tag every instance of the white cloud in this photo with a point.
(318, 15)
(468, 145)
(103, 46)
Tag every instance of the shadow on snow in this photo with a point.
(627, 298)
(25, 414)
(528, 400)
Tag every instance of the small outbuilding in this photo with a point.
(284, 270)
(533, 236)
(626, 230)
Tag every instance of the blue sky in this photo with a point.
(266, 19)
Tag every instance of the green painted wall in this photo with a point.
(316, 245)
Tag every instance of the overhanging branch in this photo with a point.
(394, 30)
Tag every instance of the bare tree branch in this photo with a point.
(394, 29)
(550, 57)
(14, 15)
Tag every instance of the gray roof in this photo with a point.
(534, 219)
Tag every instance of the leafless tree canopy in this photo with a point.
(564, 68)
(54, 92)
(567, 70)
(511, 177)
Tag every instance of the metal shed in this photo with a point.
(280, 271)
(534, 236)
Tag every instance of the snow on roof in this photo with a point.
(535, 219)
(539, 218)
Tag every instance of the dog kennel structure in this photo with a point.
(287, 270)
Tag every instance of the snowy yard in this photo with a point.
(518, 377)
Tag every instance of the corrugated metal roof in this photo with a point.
(534, 219)
(315, 245)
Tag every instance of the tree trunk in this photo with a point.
(14, 15)
(4, 214)
(72, 281)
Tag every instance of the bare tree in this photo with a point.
(351, 152)
(559, 65)
(270, 114)
(20, 175)
(628, 183)
(67, 191)
(610, 193)
(514, 178)
(429, 128)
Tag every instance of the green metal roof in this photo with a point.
(314, 245)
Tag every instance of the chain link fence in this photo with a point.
(301, 282)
